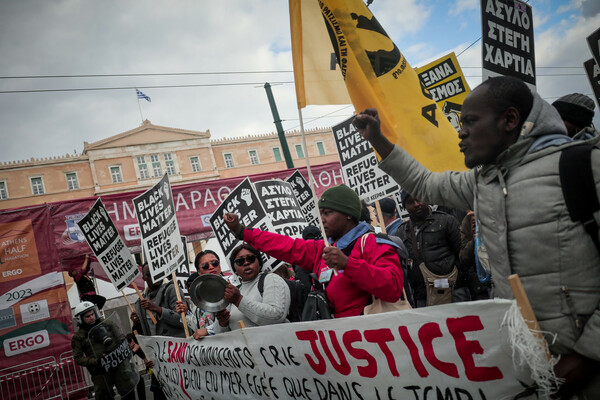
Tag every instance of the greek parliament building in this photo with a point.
(138, 158)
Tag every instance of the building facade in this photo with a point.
(138, 158)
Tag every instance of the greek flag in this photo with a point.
(141, 95)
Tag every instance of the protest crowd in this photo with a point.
(506, 214)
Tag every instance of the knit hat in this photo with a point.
(311, 232)
(576, 108)
(343, 199)
(388, 206)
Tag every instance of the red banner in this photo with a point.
(194, 204)
(35, 316)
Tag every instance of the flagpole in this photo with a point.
(311, 179)
(139, 106)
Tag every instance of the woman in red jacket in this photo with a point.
(352, 274)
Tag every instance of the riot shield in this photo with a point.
(115, 364)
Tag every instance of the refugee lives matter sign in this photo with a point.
(242, 201)
(279, 201)
(161, 241)
(359, 164)
(304, 196)
(101, 234)
(507, 37)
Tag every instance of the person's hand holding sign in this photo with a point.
(334, 258)
(150, 306)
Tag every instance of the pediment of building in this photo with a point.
(145, 134)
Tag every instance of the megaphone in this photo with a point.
(208, 292)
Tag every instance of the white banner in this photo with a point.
(455, 351)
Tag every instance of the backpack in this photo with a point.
(579, 188)
(298, 295)
(316, 306)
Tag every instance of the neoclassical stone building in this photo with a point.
(137, 158)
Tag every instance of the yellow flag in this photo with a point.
(316, 73)
(446, 83)
(377, 75)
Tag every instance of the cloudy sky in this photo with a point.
(227, 49)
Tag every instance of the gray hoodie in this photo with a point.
(525, 226)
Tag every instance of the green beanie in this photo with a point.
(343, 199)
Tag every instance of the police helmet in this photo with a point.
(83, 308)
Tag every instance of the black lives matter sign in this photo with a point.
(507, 37)
(101, 234)
(305, 198)
(279, 201)
(244, 202)
(359, 164)
(161, 240)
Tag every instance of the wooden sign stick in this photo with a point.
(142, 298)
(526, 310)
(183, 320)
(127, 300)
(380, 217)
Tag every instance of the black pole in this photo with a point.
(279, 127)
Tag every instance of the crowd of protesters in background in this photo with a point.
(514, 222)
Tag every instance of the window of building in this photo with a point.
(3, 191)
(321, 148)
(195, 162)
(299, 151)
(228, 160)
(115, 174)
(277, 153)
(156, 168)
(169, 164)
(37, 185)
(143, 167)
(72, 181)
(253, 157)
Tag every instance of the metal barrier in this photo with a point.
(44, 379)
(75, 377)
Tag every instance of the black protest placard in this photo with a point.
(305, 198)
(183, 271)
(359, 164)
(279, 201)
(594, 43)
(161, 240)
(593, 72)
(244, 202)
(101, 234)
(507, 39)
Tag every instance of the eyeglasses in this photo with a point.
(214, 263)
(242, 260)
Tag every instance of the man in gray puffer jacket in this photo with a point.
(512, 140)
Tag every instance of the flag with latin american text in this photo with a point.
(377, 75)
